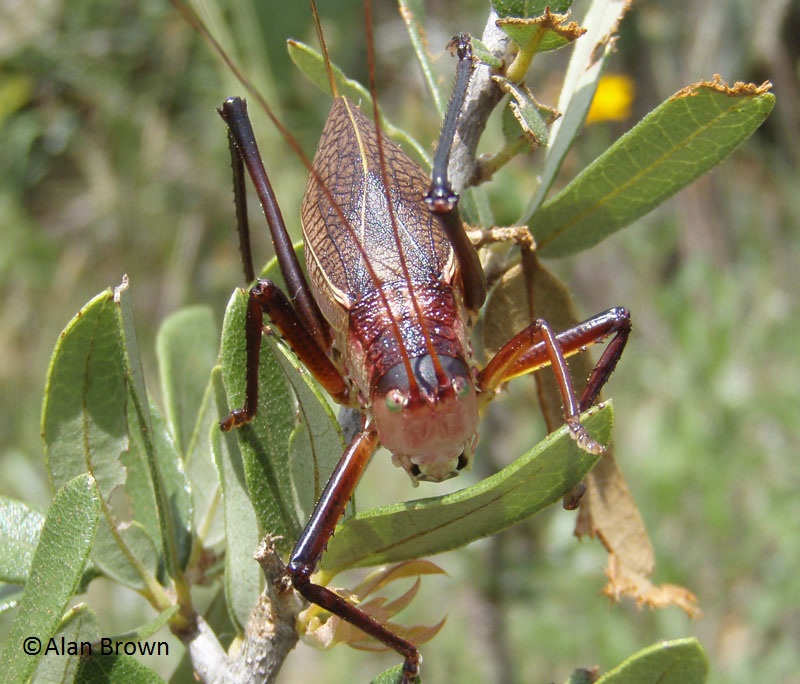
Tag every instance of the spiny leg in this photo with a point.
(266, 297)
(234, 113)
(301, 322)
(536, 346)
(314, 539)
(240, 204)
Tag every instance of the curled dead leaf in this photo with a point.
(623, 582)
(607, 509)
(322, 630)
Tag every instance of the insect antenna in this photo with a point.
(323, 46)
(192, 18)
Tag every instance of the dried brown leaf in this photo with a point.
(323, 630)
(607, 510)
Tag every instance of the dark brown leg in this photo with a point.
(309, 548)
(441, 198)
(536, 346)
(300, 321)
(240, 203)
(266, 297)
(234, 113)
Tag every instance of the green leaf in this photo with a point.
(413, 14)
(681, 139)
(187, 347)
(316, 445)
(393, 675)
(264, 443)
(20, 527)
(149, 628)
(109, 669)
(311, 63)
(84, 422)
(589, 58)
(540, 34)
(422, 528)
(79, 629)
(129, 558)
(243, 576)
(177, 492)
(682, 661)
(66, 540)
(529, 8)
(290, 448)
(523, 115)
(139, 485)
(173, 494)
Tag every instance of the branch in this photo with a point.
(269, 637)
(483, 96)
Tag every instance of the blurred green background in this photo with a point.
(113, 161)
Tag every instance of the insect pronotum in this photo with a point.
(383, 320)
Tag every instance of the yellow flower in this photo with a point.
(613, 99)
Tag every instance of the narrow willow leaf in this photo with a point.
(264, 443)
(413, 15)
(529, 8)
(316, 445)
(149, 628)
(243, 576)
(393, 675)
(171, 486)
(176, 488)
(80, 628)
(84, 422)
(20, 527)
(589, 58)
(428, 526)
(310, 62)
(55, 572)
(295, 421)
(139, 485)
(682, 661)
(187, 347)
(128, 558)
(115, 668)
(681, 139)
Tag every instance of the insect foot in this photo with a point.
(584, 441)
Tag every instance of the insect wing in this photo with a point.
(352, 244)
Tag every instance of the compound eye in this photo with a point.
(395, 400)
(461, 387)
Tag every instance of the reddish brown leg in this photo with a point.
(311, 544)
(267, 297)
(536, 346)
(299, 321)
